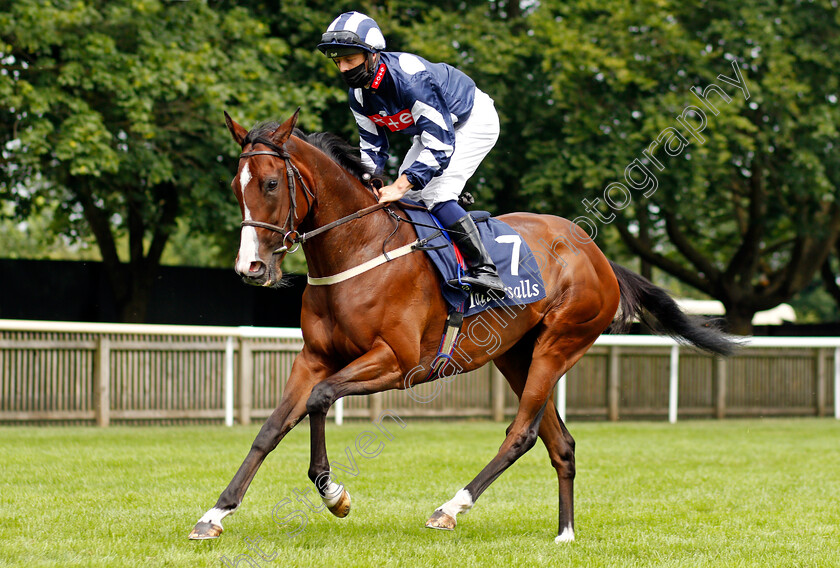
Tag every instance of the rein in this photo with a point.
(351, 217)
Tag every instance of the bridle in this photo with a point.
(291, 234)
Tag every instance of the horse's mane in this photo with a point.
(341, 151)
(338, 149)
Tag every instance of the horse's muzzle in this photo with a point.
(260, 274)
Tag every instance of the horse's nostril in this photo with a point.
(251, 271)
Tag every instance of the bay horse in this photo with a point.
(369, 333)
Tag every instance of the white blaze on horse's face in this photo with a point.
(248, 242)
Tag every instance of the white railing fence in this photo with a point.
(809, 343)
(84, 371)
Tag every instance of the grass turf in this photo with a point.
(701, 493)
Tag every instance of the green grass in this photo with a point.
(696, 494)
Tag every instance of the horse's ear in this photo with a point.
(282, 134)
(236, 130)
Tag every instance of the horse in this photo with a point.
(372, 331)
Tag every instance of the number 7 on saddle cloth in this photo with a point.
(515, 262)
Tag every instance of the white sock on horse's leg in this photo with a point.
(332, 493)
(461, 503)
(213, 517)
(568, 535)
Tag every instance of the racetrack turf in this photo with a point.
(763, 493)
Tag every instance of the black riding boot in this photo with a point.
(481, 272)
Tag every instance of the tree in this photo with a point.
(488, 41)
(497, 45)
(113, 110)
(736, 194)
(114, 113)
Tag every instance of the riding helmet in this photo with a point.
(352, 32)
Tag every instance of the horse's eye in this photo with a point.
(271, 185)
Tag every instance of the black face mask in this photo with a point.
(358, 76)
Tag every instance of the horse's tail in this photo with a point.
(640, 298)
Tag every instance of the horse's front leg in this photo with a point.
(375, 371)
(334, 495)
(291, 410)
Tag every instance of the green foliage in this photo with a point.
(815, 305)
(111, 117)
(114, 113)
(746, 215)
(35, 238)
(583, 88)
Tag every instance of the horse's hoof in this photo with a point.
(441, 521)
(203, 531)
(342, 507)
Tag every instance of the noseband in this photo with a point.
(292, 235)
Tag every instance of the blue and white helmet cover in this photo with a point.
(367, 34)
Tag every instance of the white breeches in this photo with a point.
(474, 139)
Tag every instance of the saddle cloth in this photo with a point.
(514, 261)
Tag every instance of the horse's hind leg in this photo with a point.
(554, 354)
(521, 437)
(561, 451)
(557, 439)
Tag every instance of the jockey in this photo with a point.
(452, 123)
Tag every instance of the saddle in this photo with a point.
(512, 256)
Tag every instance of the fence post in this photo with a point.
(561, 397)
(101, 382)
(246, 381)
(614, 383)
(228, 382)
(497, 389)
(339, 412)
(719, 370)
(837, 383)
(375, 405)
(674, 384)
(822, 382)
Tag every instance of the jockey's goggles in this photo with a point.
(342, 43)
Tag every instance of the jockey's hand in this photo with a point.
(395, 191)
